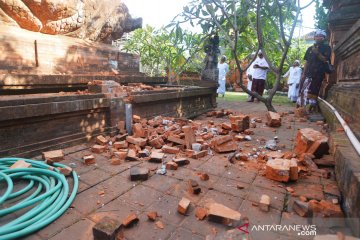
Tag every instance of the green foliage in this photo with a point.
(321, 14)
(161, 50)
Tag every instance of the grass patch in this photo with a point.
(242, 97)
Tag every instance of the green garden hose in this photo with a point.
(43, 204)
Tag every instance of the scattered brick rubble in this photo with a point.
(171, 143)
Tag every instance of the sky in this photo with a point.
(157, 13)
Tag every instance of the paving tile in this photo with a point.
(146, 229)
(182, 233)
(79, 231)
(67, 219)
(261, 181)
(215, 165)
(291, 219)
(181, 190)
(115, 186)
(94, 177)
(141, 196)
(231, 187)
(115, 169)
(161, 183)
(242, 175)
(276, 198)
(166, 206)
(223, 198)
(310, 191)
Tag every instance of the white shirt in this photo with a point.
(259, 73)
(294, 75)
(223, 69)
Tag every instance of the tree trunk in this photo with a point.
(269, 106)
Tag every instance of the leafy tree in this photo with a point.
(321, 15)
(246, 26)
(161, 50)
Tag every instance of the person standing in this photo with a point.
(294, 74)
(317, 58)
(249, 75)
(260, 69)
(223, 70)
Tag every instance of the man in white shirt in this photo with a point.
(260, 69)
(223, 70)
(249, 75)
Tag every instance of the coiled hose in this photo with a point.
(43, 204)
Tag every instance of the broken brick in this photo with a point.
(106, 229)
(115, 161)
(171, 150)
(121, 144)
(138, 130)
(121, 127)
(98, 149)
(197, 155)
(121, 154)
(55, 156)
(311, 141)
(325, 209)
(131, 155)
(89, 159)
(66, 171)
(141, 142)
(101, 140)
(226, 147)
(171, 166)
(176, 140)
(183, 205)
(159, 224)
(226, 126)
(156, 157)
(204, 176)
(300, 112)
(137, 173)
(20, 164)
(181, 161)
(264, 203)
(194, 187)
(157, 142)
(220, 213)
(152, 216)
(273, 119)
(301, 208)
(220, 140)
(278, 169)
(136, 118)
(200, 213)
(130, 220)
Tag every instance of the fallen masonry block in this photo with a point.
(194, 187)
(200, 154)
(115, 161)
(222, 214)
(121, 154)
(120, 137)
(226, 147)
(300, 112)
(55, 156)
(171, 150)
(66, 171)
(204, 176)
(325, 209)
(275, 154)
(241, 157)
(106, 229)
(137, 173)
(171, 165)
(264, 203)
(159, 224)
(248, 132)
(141, 142)
(301, 208)
(131, 155)
(325, 161)
(311, 141)
(157, 142)
(200, 213)
(189, 153)
(101, 140)
(136, 118)
(152, 216)
(98, 149)
(240, 138)
(130, 220)
(138, 130)
(121, 127)
(273, 119)
(121, 144)
(88, 160)
(20, 164)
(279, 169)
(239, 123)
(181, 161)
(220, 140)
(294, 170)
(176, 140)
(226, 126)
(183, 205)
(144, 153)
(189, 136)
(156, 157)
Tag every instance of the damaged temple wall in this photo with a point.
(344, 95)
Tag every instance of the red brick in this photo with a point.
(264, 203)
(200, 154)
(98, 149)
(115, 161)
(136, 118)
(189, 136)
(55, 156)
(101, 140)
(66, 171)
(300, 112)
(121, 127)
(159, 224)
(220, 140)
(106, 229)
(141, 142)
(183, 205)
(138, 130)
(278, 170)
(175, 139)
(130, 220)
(119, 145)
(157, 142)
(239, 123)
(90, 159)
(200, 213)
(156, 157)
(226, 147)
(273, 119)
(20, 164)
(204, 176)
(171, 165)
(121, 154)
(152, 216)
(226, 126)
(181, 161)
(137, 173)
(311, 141)
(220, 213)
(171, 150)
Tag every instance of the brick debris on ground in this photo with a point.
(246, 168)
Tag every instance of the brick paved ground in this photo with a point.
(162, 193)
